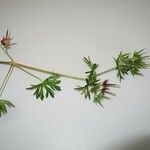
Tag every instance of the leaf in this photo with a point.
(98, 99)
(3, 106)
(88, 62)
(91, 89)
(46, 88)
(127, 63)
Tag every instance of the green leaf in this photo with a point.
(3, 106)
(98, 99)
(46, 88)
(91, 89)
(127, 63)
(88, 62)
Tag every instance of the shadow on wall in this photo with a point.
(138, 143)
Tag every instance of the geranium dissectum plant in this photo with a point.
(93, 88)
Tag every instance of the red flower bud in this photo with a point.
(6, 41)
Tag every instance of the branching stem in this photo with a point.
(23, 67)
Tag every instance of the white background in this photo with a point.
(56, 35)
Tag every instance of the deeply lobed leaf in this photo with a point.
(46, 88)
(127, 63)
(3, 106)
(92, 88)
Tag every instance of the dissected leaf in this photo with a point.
(125, 63)
(46, 88)
(3, 106)
(92, 88)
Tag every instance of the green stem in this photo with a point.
(5, 78)
(24, 70)
(41, 70)
(5, 81)
(21, 66)
(106, 71)
(6, 52)
(48, 72)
